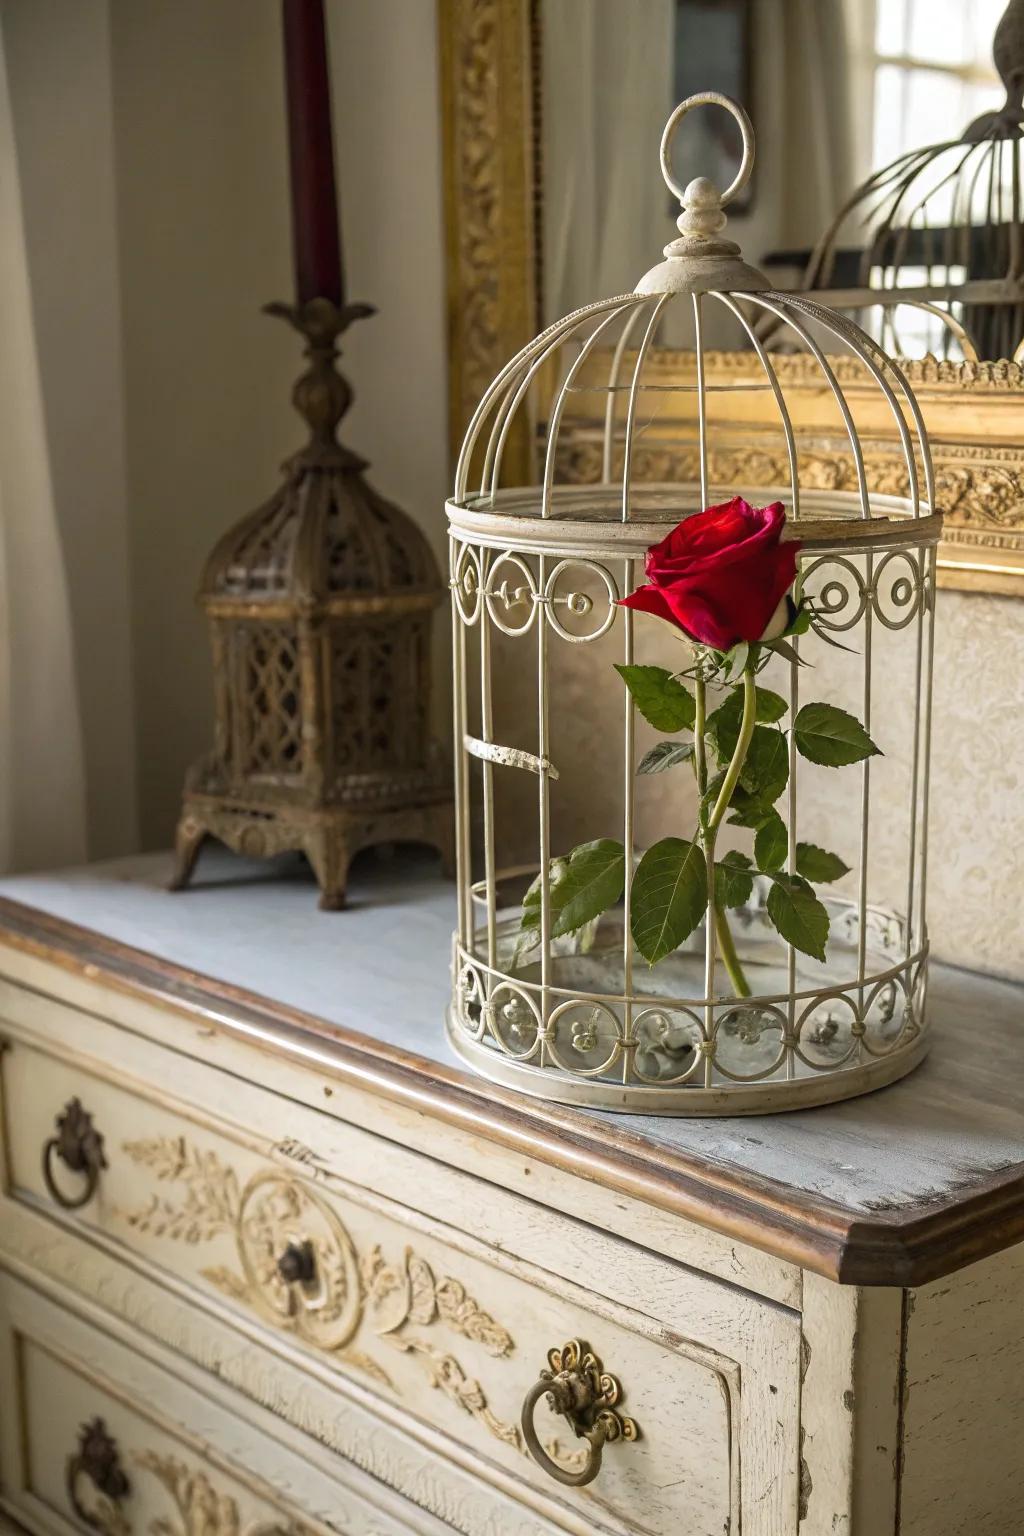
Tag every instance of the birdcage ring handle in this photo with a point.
(703, 99)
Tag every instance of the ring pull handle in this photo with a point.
(703, 99)
(578, 1387)
(79, 1146)
(97, 1461)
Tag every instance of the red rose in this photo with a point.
(721, 575)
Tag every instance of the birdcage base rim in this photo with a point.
(686, 1102)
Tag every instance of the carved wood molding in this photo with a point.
(396, 1301)
(488, 81)
(62, 1260)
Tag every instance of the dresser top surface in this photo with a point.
(906, 1182)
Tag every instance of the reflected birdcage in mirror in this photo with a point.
(320, 606)
(928, 251)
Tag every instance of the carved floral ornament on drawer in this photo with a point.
(300, 1265)
(203, 1510)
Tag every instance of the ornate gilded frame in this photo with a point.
(493, 185)
(489, 76)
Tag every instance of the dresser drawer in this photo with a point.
(693, 1386)
(100, 1436)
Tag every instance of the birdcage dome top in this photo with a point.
(611, 388)
(324, 537)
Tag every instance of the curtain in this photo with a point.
(42, 791)
(607, 90)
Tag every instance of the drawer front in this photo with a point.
(98, 1436)
(695, 1423)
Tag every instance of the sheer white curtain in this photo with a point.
(42, 793)
(607, 86)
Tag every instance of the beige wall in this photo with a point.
(204, 240)
(151, 138)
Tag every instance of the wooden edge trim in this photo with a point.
(909, 1248)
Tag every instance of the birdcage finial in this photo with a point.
(701, 260)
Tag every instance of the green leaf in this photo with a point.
(581, 887)
(818, 864)
(723, 724)
(766, 770)
(666, 754)
(771, 843)
(734, 880)
(748, 810)
(668, 897)
(825, 734)
(798, 915)
(659, 697)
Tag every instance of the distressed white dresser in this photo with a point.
(270, 1262)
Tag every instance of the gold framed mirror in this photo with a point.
(506, 191)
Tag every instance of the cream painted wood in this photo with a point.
(768, 1396)
(437, 1323)
(963, 1403)
(255, 1089)
(334, 1425)
(56, 1005)
(195, 1468)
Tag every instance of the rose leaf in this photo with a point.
(818, 864)
(580, 888)
(827, 735)
(798, 915)
(771, 843)
(765, 772)
(724, 723)
(734, 880)
(665, 754)
(660, 698)
(668, 897)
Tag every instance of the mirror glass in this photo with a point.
(836, 88)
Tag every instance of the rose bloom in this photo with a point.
(722, 575)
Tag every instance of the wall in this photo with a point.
(204, 242)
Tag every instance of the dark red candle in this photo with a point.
(315, 237)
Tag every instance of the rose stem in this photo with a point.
(727, 947)
(700, 762)
(727, 950)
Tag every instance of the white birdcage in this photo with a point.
(572, 1010)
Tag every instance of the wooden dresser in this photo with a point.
(284, 1267)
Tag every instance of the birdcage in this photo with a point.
(931, 247)
(574, 822)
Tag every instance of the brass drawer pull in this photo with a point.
(577, 1386)
(79, 1146)
(98, 1461)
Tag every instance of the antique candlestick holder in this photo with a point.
(319, 605)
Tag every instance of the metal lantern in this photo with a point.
(320, 606)
(547, 741)
(941, 228)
